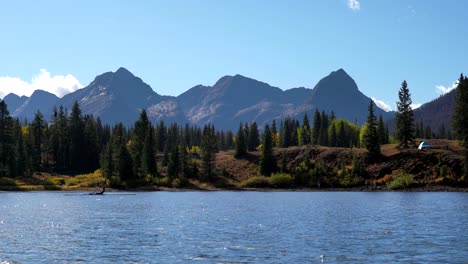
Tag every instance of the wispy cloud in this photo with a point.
(354, 5)
(57, 84)
(381, 104)
(440, 89)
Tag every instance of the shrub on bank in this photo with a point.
(281, 180)
(402, 181)
(256, 182)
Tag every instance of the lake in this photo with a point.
(234, 227)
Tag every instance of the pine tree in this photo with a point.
(316, 128)
(267, 160)
(121, 158)
(91, 143)
(341, 137)
(333, 139)
(371, 137)
(306, 137)
(107, 164)
(404, 119)
(381, 131)
(208, 148)
(254, 137)
(323, 134)
(460, 117)
(174, 166)
(428, 132)
(20, 152)
(37, 132)
(274, 132)
(141, 129)
(442, 132)
(148, 158)
(241, 146)
(76, 139)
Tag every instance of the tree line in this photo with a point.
(73, 143)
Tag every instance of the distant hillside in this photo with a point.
(438, 112)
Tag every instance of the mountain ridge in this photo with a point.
(120, 96)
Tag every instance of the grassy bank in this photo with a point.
(299, 168)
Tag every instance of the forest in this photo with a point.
(71, 143)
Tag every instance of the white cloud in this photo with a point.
(382, 104)
(59, 85)
(415, 106)
(354, 5)
(440, 89)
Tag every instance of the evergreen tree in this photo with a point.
(316, 128)
(76, 140)
(91, 143)
(418, 130)
(306, 136)
(149, 154)
(404, 119)
(254, 137)
(267, 160)
(274, 132)
(174, 166)
(460, 117)
(442, 132)
(428, 132)
(381, 131)
(141, 129)
(341, 137)
(241, 145)
(124, 166)
(209, 148)
(20, 152)
(107, 164)
(333, 137)
(323, 134)
(37, 132)
(161, 136)
(371, 137)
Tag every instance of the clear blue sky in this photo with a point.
(174, 45)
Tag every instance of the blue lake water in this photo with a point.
(234, 227)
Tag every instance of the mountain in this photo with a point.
(39, 101)
(14, 101)
(231, 100)
(235, 99)
(118, 97)
(338, 92)
(438, 112)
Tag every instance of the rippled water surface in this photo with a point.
(234, 227)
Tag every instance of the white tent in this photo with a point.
(423, 145)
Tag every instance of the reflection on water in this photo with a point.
(226, 227)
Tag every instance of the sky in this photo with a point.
(60, 46)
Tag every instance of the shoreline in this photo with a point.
(427, 188)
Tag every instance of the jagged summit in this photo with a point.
(119, 96)
(39, 100)
(124, 73)
(14, 101)
(337, 81)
